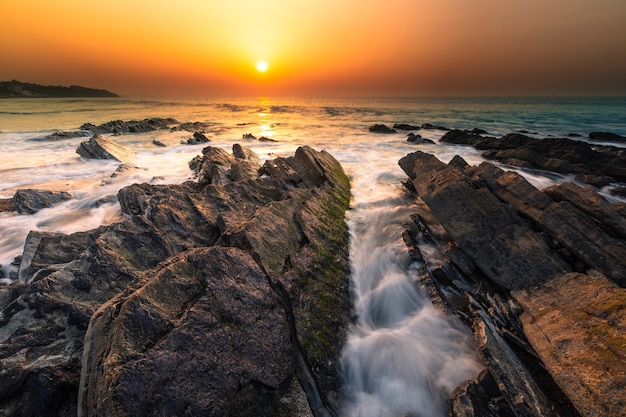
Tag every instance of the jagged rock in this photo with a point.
(31, 201)
(248, 136)
(158, 143)
(607, 137)
(571, 321)
(132, 126)
(598, 181)
(99, 147)
(210, 330)
(192, 127)
(379, 128)
(418, 140)
(593, 204)
(429, 126)
(269, 241)
(586, 240)
(265, 139)
(553, 154)
(500, 243)
(197, 138)
(574, 221)
(458, 162)
(404, 126)
(575, 323)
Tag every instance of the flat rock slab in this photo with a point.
(577, 324)
(102, 148)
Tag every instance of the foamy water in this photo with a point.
(402, 356)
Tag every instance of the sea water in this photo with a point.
(402, 356)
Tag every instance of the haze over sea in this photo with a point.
(402, 355)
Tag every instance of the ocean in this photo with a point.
(402, 356)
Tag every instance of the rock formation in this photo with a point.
(132, 126)
(99, 147)
(598, 165)
(28, 201)
(539, 278)
(225, 296)
(380, 128)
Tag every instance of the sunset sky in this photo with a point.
(210, 48)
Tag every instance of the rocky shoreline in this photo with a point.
(225, 296)
(538, 276)
(229, 295)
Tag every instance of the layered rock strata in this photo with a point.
(539, 277)
(226, 296)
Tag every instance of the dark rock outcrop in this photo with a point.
(99, 147)
(405, 126)
(197, 138)
(565, 156)
(607, 137)
(553, 344)
(380, 128)
(201, 127)
(418, 140)
(220, 298)
(502, 245)
(132, 126)
(29, 201)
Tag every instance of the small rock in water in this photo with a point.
(31, 201)
(248, 136)
(418, 140)
(198, 137)
(404, 126)
(264, 139)
(158, 143)
(379, 128)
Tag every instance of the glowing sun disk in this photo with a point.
(262, 66)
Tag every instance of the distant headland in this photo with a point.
(17, 89)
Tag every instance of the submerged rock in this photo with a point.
(31, 201)
(208, 298)
(405, 126)
(99, 147)
(380, 128)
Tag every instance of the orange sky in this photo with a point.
(209, 48)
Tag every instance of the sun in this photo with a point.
(262, 66)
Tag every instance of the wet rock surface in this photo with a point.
(561, 155)
(99, 147)
(28, 201)
(226, 296)
(131, 126)
(537, 275)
